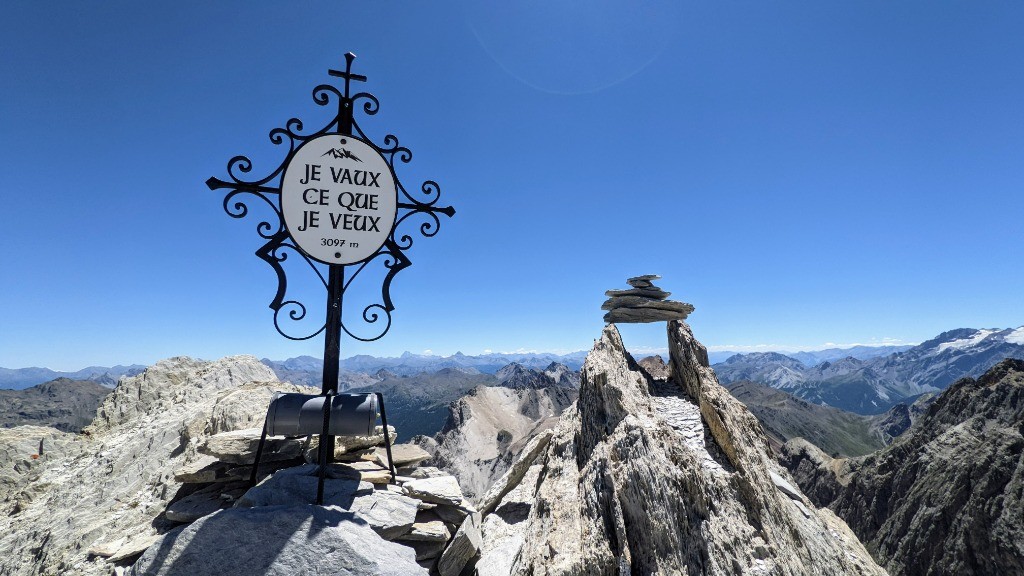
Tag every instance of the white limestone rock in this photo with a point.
(239, 446)
(503, 531)
(348, 448)
(515, 473)
(22, 462)
(489, 427)
(622, 488)
(120, 477)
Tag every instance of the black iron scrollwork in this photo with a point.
(413, 208)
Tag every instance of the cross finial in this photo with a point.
(347, 74)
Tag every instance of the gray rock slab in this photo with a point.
(200, 471)
(239, 446)
(390, 515)
(640, 302)
(402, 454)
(504, 530)
(364, 470)
(199, 504)
(656, 293)
(515, 473)
(439, 490)
(785, 487)
(451, 514)
(433, 531)
(277, 541)
(348, 447)
(133, 547)
(425, 472)
(298, 486)
(645, 279)
(427, 550)
(463, 547)
(642, 315)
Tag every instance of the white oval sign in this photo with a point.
(338, 199)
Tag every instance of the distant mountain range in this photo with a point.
(813, 357)
(408, 363)
(21, 378)
(356, 371)
(875, 384)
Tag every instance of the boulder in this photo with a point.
(239, 447)
(277, 541)
(390, 515)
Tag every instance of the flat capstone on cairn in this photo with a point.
(643, 302)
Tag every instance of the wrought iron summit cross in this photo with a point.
(347, 74)
(416, 213)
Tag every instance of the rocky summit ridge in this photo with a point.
(642, 474)
(158, 485)
(657, 476)
(946, 497)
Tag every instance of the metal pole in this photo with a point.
(387, 438)
(332, 342)
(323, 453)
(336, 280)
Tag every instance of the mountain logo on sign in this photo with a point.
(341, 153)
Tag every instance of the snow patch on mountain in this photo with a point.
(1015, 337)
(964, 343)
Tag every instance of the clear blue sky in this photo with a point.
(802, 172)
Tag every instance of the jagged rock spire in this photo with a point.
(643, 302)
(653, 476)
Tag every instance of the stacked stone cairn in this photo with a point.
(643, 302)
(423, 509)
